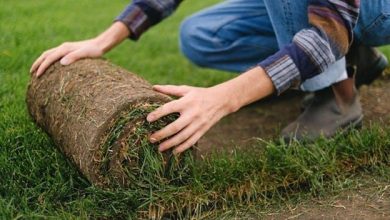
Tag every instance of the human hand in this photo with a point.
(68, 53)
(73, 51)
(199, 108)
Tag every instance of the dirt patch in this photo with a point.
(262, 119)
(370, 201)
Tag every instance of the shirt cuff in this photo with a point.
(282, 71)
(135, 20)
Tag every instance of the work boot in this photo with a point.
(324, 117)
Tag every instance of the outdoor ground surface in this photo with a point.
(371, 197)
(36, 181)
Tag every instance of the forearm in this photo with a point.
(113, 36)
(248, 87)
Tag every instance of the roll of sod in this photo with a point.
(95, 112)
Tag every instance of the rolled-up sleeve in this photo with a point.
(314, 49)
(140, 15)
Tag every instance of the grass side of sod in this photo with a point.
(36, 181)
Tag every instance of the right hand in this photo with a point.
(68, 53)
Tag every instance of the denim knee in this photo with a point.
(192, 41)
(373, 27)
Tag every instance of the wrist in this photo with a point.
(224, 95)
(247, 88)
(111, 37)
(100, 44)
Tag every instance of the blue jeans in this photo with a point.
(237, 34)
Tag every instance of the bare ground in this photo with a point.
(265, 119)
(371, 200)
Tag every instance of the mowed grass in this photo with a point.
(37, 181)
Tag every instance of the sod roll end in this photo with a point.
(95, 112)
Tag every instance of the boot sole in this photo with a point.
(356, 124)
(343, 130)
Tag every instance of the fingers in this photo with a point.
(170, 129)
(40, 59)
(169, 108)
(188, 136)
(172, 90)
(188, 143)
(179, 138)
(72, 57)
(51, 58)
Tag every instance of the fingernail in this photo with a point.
(64, 61)
(152, 140)
(150, 118)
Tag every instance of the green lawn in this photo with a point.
(36, 180)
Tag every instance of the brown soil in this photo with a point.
(369, 201)
(265, 119)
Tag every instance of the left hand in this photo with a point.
(199, 108)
